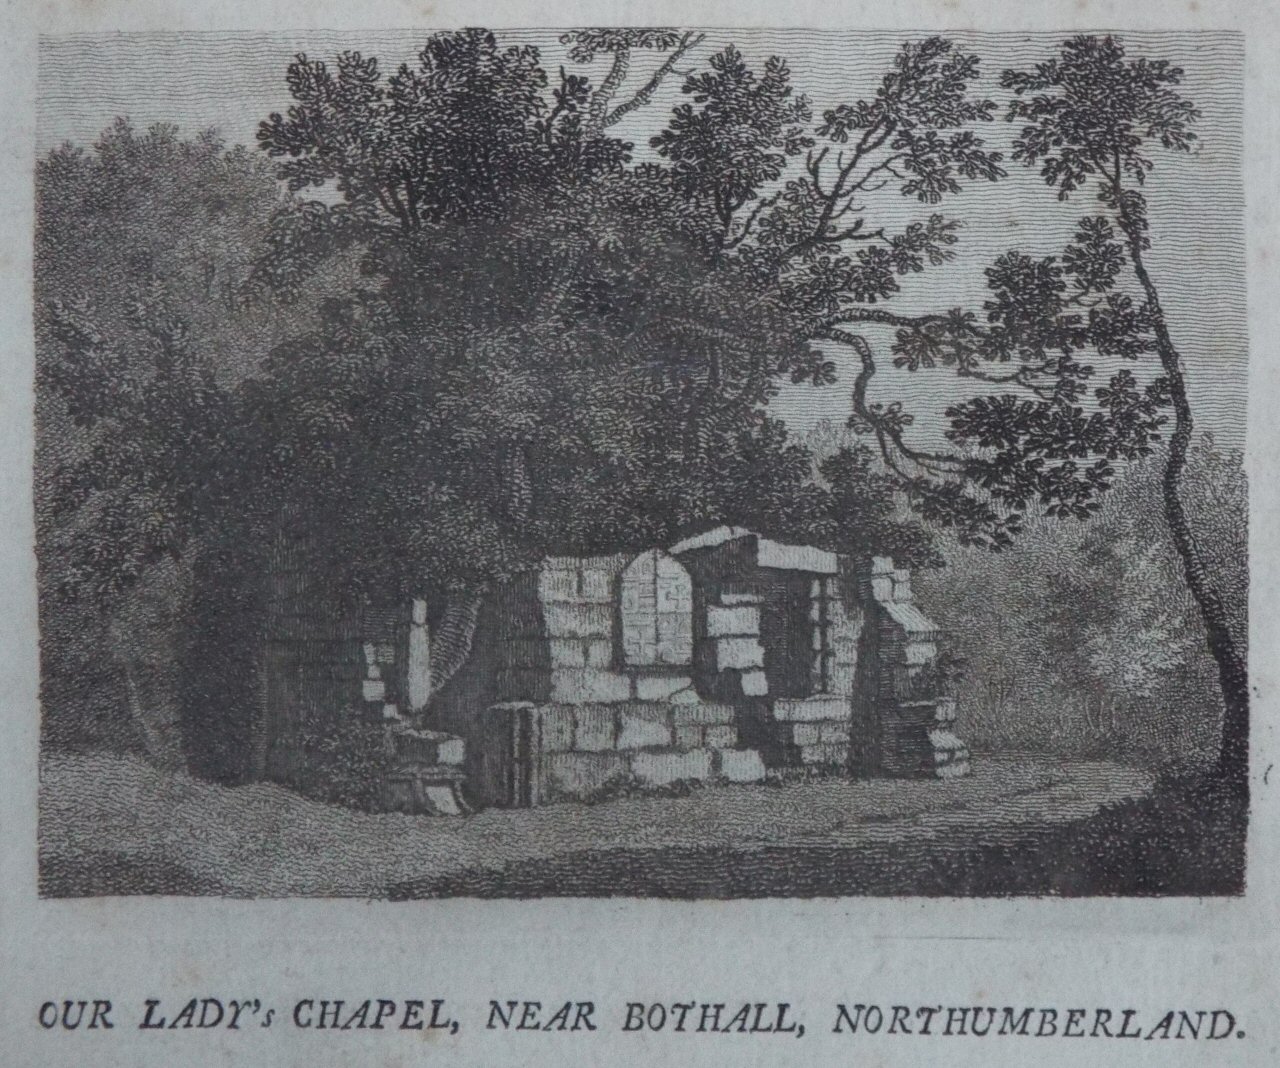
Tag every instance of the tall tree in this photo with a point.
(805, 247)
(1091, 116)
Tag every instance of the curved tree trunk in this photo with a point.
(1233, 675)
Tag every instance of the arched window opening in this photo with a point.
(657, 612)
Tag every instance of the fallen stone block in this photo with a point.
(806, 733)
(721, 736)
(662, 769)
(442, 799)
(424, 789)
(755, 684)
(741, 765)
(837, 733)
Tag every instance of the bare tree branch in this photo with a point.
(598, 109)
(645, 93)
(939, 464)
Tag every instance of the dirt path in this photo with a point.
(117, 812)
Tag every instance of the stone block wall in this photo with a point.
(816, 731)
(567, 650)
(950, 754)
(915, 735)
(561, 698)
(732, 646)
(843, 621)
(586, 751)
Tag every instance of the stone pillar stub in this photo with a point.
(418, 658)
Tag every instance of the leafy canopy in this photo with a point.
(1094, 111)
(1053, 439)
(561, 355)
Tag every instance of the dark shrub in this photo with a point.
(346, 757)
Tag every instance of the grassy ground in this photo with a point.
(114, 824)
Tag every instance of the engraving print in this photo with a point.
(641, 462)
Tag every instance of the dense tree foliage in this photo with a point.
(142, 246)
(475, 330)
(554, 349)
(1083, 638)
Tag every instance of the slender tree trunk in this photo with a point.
(1233, 676)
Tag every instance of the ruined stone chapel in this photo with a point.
(726, 657)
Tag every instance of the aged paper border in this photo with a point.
(1147, 954)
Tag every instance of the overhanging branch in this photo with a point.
(939, 464)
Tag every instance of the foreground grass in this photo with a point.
(113, 824)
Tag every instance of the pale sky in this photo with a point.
(232, 81)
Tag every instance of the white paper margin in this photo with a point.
(1145, 954)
